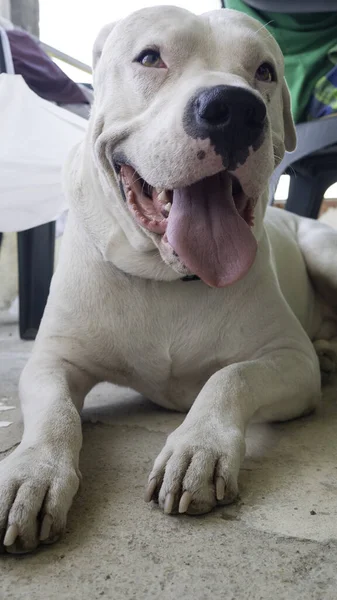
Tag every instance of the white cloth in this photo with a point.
(35, 138)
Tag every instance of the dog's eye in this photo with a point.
(151, 58)
(266, 73)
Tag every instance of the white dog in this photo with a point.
(170, 280)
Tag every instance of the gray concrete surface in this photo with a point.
(278, 541)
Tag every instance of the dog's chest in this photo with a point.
(171, 344)
(172, 369)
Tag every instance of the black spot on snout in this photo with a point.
(201, 154)
(232, 118)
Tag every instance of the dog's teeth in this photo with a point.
(162, 197)
(165, 211)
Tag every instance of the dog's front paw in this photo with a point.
(197, 468)
(37, 486)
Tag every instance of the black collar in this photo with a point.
(190, 278)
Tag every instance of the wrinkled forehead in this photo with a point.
(218, 38)
(162, 25)
(242, 37)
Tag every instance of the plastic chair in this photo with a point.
(293, 6)
(313, 165)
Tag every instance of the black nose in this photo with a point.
(232, 117)
(225, 106)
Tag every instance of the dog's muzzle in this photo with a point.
(233, 118)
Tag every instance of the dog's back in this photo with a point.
(300, 247)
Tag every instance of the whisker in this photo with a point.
(135, 180)
(264, 27)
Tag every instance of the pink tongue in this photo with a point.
(208, 234)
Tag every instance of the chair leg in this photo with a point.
(306, 193)
(36, 265)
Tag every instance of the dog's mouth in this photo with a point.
(207, 224)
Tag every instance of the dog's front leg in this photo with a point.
(40, 478)
(200, 462)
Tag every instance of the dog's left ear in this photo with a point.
(100, 41)
(288, 122)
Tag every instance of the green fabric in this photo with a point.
(325, 91)
(305, 40)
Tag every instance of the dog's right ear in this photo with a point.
(288, 121)
(100, 41)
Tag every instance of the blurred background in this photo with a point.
(45, 98)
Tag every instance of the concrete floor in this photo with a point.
(278, 541)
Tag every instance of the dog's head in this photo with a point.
(191, 115)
